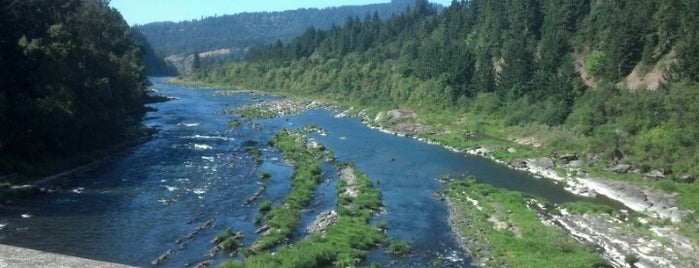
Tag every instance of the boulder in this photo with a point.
(685, 178)
(592, 158)
(620, 168)
(542, 162)
(576, 163)
(518, 163)
(567, 158)
(655, 174)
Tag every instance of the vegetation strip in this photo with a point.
(341, 242)
(499, 228)
(280, 221)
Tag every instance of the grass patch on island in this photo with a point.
(343, 242)
(501, 230)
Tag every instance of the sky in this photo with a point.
(146, 11)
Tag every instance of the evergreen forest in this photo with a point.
(71, 83)
(617, 79)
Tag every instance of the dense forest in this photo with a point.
(240, 31)
(614, 78)
(71, 82)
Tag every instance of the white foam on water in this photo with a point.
(207, 137)
(78, 190)
(170, 188)
(26, 215)
(2, 225)
(210, 158)
(166, 201)
(199, 191)
(201, 147)
(189, 124)
(454, 257)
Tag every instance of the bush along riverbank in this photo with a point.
(505, 228)
(339, 238)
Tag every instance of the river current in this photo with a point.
(138, 204)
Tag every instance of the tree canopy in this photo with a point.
(70, 80)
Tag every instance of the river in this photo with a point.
(136, 205)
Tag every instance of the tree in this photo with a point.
(196, 61)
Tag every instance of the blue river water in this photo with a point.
(138, 204)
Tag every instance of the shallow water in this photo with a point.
(134, 207)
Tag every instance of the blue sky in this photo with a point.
(145, 11)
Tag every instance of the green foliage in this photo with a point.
(631, 259)
(399, 247)
(264, 175)
(228, 240)
(265, 206)
(71, 82)
(587, 207)
(594, 61)
(525, 242)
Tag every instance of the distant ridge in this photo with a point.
(241, 31)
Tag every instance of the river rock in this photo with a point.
(542, 162)
(518, 163)
(620, 168)
(576, 163)
(593, 158)
(322, 222)
(685, 178)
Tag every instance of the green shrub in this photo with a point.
(265, 206)
(399, 247)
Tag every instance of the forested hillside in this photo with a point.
(240, 31)
(616, 79)
(71, 82)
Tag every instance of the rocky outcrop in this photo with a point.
(414, 129)
(641, 199)
(617, 242)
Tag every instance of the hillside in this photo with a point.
(596, 88)
(241, 31)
